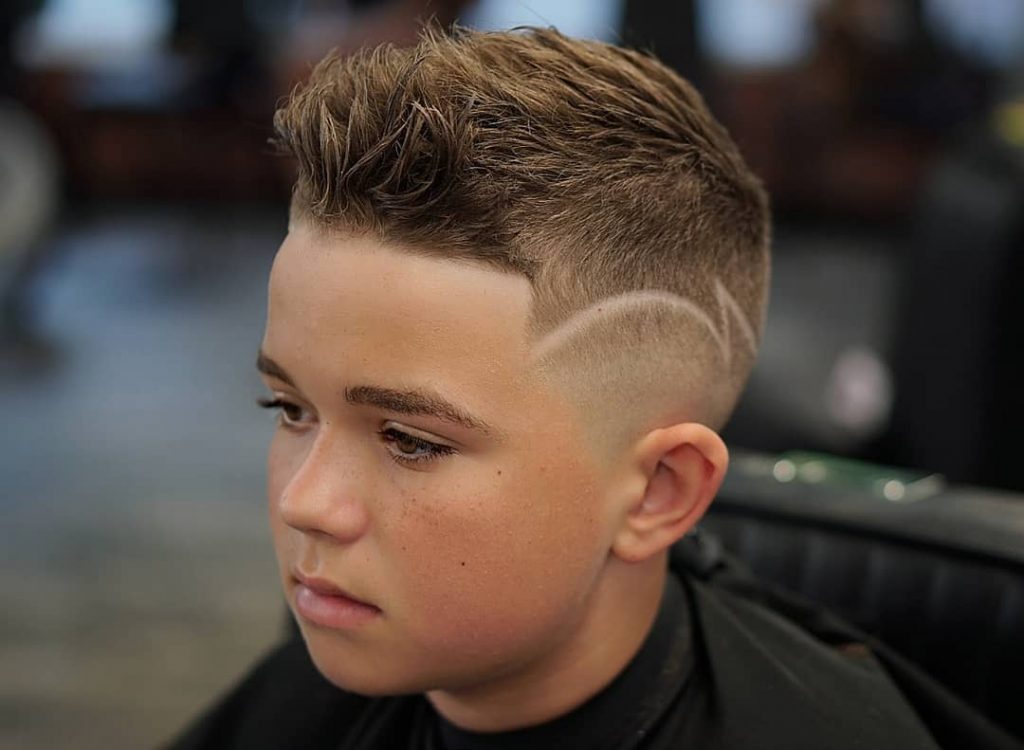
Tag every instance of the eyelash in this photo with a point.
(388, 435)
(434, 451)
(280, 405)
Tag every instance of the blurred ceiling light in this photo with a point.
(990, 32)
(756, 33)
(588, 19)
(93, 33)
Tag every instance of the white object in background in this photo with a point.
(859, 393)
(29, 183)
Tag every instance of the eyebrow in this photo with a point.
(269, 367)
(414, 401)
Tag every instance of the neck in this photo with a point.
(618, 616)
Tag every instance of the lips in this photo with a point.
(324, 587)
(322, 602)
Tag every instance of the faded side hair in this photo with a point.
(595, 171)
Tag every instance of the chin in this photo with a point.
(358, 671)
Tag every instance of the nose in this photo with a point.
(325, 491)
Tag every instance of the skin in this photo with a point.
(516, 571)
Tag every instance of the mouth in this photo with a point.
(324, 603)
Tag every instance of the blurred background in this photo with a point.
(140, 207)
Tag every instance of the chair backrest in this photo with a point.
(940, 578)
(956, 356)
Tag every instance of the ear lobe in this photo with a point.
(685, 465)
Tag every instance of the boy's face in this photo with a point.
(478, 556)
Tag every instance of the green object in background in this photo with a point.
(844, 474)
(1008, 119)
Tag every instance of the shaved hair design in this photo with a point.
(629, 302)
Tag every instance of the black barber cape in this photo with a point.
(728, 665)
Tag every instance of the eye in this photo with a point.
(409, 449)
(291, 415)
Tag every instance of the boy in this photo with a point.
(523, 284)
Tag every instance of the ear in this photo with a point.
(683, 466)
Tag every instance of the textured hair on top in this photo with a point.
(595, 171)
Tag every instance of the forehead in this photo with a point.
(353, 308)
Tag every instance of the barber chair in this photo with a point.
(958, 336)
(934, 571)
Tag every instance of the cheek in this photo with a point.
(278, 471)
(281, 464)
(494, 562)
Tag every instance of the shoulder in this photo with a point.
(770, 678)
(282, 702)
